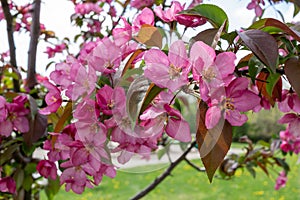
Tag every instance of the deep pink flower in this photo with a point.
(237, 99)
(169, 14)
(7, 184)
(75, 179)
(47, 169)
(254, 4)
(16, 117)
(3, 109)
(286, 146)
(290, 101)
(210, 70)
(195, 3)
(189, 20)
(177, 127)
(281, 180)
(168, 71)
(104, 99)
(139, 4)
(52, 98)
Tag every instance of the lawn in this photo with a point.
(186, 183)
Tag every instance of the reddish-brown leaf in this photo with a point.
(292, 72)
(129, 64)
(213, 144)
(38, 127)
(261, 83)
(263, 45)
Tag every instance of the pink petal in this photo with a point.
(212, 117)
(203, 51)
(235, 118)
(6, 128)
(178, 129)
(287, 118)
(178, 55)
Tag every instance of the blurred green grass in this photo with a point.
(186, 183)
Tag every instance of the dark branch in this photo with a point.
(194, 166)
(34, 36)
(164, 175)
(11, 42)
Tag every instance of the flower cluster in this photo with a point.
(13, 115)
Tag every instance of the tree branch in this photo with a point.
(35, 33)
(11, 42)
(164, 175)
(194, 166)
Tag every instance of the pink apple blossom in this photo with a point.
(290, 102)
(105, 57)
(237, 99)
(281, 180)
(104, 99)
(293, 121)
(210, 70)
(145, 17)
(16, 116)
(7, 184)
(190, 20)
(168, 71)
(254, 4)
(47, 169)
(139, 4)
(52, 98)
(86, 8)
(168, 15)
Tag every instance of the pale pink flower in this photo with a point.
(237, 99)
(105, 57)
(122, 35)
(52, 98)
(168, 15)
(86, 8)
(293, 121)
(145, 17)
(210, 70)
(168, 71)
(47, 169)
(281, 180)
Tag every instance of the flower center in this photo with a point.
(229, 104)
(209, 74)
(174, 72)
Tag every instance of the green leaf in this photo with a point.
(152, 92)
(213, 144)
(214, 14)
(280, 27)
(28, 180)
(52, 188)
(250, 169)
(8, 153)
(272, 81)
(263, 45)
(292, 72)
(19, 178)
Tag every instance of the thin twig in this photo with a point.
(194, 166)
(164, 175)
(11, 42)
(34, 33)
